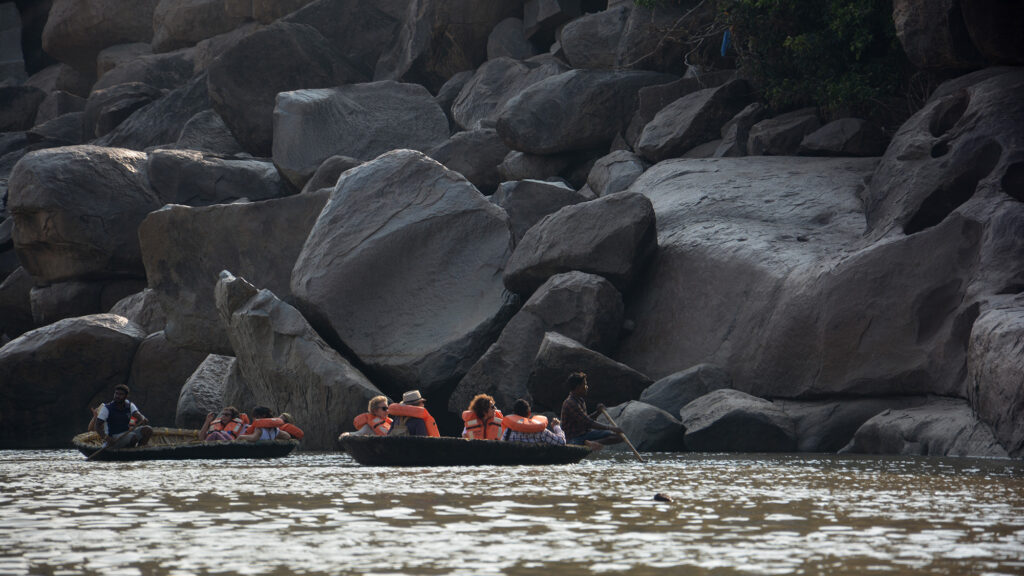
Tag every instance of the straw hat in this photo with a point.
(412, 397)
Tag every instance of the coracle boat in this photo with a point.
(446, 451)
(181, 444)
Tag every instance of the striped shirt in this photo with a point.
(553, 436)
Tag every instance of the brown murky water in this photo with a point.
(324, 514)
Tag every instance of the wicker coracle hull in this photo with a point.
(424, 451)
(181, 444)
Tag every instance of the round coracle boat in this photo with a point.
(446, 451)
(181, 444)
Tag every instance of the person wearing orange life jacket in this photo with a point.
(373, 422)
(290, 427)
(411, 418)
(521, 426)
(228, 425)
(483, 421)
(264, 427)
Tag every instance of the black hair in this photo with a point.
(575, 379)
(521, 408)
(262, 412)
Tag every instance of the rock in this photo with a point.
(12, 61)
(184, 250)
(781, 135)
(178, 24)
(554, 114)
(649, 428)
(736, 131)
(291, 57)
(934, 35)
(326, 176)
(613, 236)
(829, 425)
(16, 304)
(203, 392)
(541, 18)
(266, 11)
(76, 210)
(438, 38)
(77, 298)
(114, 56)
(583, 307)
(520, 166)
(72, 365)
(610, 382)
(288, 366)
(508, 40)
(475, 154)
(615, 172)
(18, 106)
(942, 427)
(993, 28)
(161, 121)
(393, 237)
(63, 77)
(65, 130)
(77, 30)
(652, 99)
(528, 201)
(592, 40)
(106, 108)
(677, 390)
(144, 309)
(495, 83)
(845, 137)
(208, 50)
(58, 103)
(159, 370)
(731, 421)
(164, 71)
(362, 121)
(994, 375)
(195, 179)
(207, 132)
(448, 92)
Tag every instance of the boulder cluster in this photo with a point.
(307, 203)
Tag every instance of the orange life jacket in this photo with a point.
(380, 426)
(476, 429)
(420, 412)
(268, 423)
(233, 427)
(527, 425)
(292, 430)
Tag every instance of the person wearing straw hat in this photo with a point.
(411, 418)
(580, 427)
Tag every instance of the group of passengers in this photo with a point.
(483, 421)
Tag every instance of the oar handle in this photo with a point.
(622, 435)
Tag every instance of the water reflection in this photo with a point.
(323, 514)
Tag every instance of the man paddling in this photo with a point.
(581, 428)
(113, 418)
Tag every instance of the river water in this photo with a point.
(321, 513)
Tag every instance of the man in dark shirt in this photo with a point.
(581, 428)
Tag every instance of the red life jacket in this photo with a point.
(268, 423)
(292, 430)
(527, 425)
(476, 429)
(380, 426)
(420, 412)
(233, 427)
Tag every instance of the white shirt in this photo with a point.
(104, 413)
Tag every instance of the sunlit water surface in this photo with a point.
(324, 514)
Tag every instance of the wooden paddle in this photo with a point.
(622, 435)
(97, 453)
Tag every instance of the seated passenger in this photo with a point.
(373, 422)
(113, 421)
(227, 425)
(290, 427)
(411, 418)
(264, 426)
(483, 422)
(520, 426)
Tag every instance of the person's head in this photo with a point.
(413, 398)
(286, 417)
(262, 412)
(521, 408)
(482, 405)
(228, 413)
(577, 383)
(378, 406)
(121, 392)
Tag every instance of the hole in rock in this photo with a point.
(948, 112)
(1013, 181)
(940, 149)
(957, 190)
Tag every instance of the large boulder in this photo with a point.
(615, 172)
(327, 174)
(845, 137)
(159, 370)
(18, 107)
(613, 236)
(203, 392)
(934, 35)
(731, 421)
(995, 382)
(12, 60)
(16, 304)
(51, 376)
(206, 51)
(829, 425)
(207, 132)
(166, 71)
(288, 366)
(361, 121)
(195, 179)
(77, 210)
(592, 40)
(77, 30)
(160, 121)
(677, 390)
(652, 99)
(942, 427)
(649, 428)
(584, 307)
(185, 248)
(556, 114)
(495, 83)
(392, 237)
(528, 201)
(144, 309)
(178, 24)
(244, 81)
(61, 300)
(781, 135)
(106, 108)
(58, 103)
(994, 26)
(475, 154)
(558, 356)
(114, 56)
(508, 40)
(438, 38)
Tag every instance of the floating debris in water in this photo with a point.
(662, 498)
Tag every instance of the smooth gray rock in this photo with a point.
(159, 370)
(64, 77)
(495, 83)
(58, 103)
(161, 121)
(144, 309)
(475, 154)
(542, 18)
(845, 137)
(392, 237)
(12, 61)
(288, 366)
(528, 201)
(677, 390)
(994, 374)
(208, 50)
(79, 298)
(782, 134)
(933, 34)
(195, 179)
(652, 99)
(508, 40)
(615, 172)
(731, 421)
(593, 40)
(207, 132)
(449, 91)
(182, 23)
(613, 236)
(362, 121)
(18, 106)
(327, 174)
(520, 166)
(77, 30)
(73, 365)
(584, 307)
(114, 56)
(829, 425)
(993, 27)
(649, 428)
(558, 356)
(16, 304)
(164, 71)
(106, 108)
(736, 131)
(942, 427)
(65, 130)
(203, 392)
